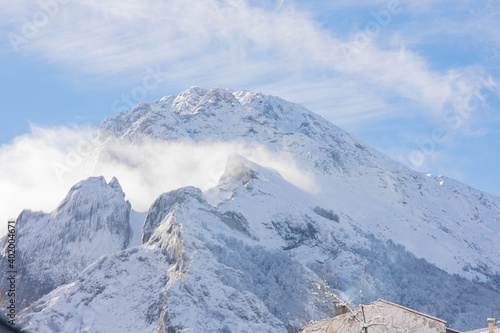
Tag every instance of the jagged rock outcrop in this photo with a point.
(52, 249)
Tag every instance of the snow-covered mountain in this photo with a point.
(238, 257)
(459, 225)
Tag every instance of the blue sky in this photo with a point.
(418, 80)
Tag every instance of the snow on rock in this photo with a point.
(121, 292)
(52, 249)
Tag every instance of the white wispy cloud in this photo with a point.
(27, 166)
(233, 44)
(348, 75)
(39, 168)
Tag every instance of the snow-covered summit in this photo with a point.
(238, 169)
(200, 115)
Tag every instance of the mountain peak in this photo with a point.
(164, 204)
(92, 220)
(239, 169)
(91, 190)
(198, 115)
(114, 183)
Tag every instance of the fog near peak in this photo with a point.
(38, 169)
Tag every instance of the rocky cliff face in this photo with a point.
(238, 257)
(52, 249)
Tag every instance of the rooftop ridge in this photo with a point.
(408, 309)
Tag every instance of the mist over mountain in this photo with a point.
(296, 196)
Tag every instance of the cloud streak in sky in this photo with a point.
(234, 44)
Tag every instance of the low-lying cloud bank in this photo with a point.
(39, 168)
